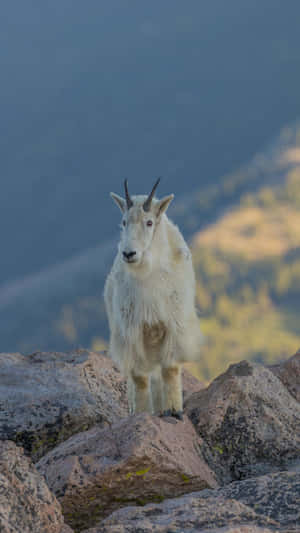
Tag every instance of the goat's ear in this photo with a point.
(121, 203)
(163, 204)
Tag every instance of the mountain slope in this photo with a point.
(248, 275)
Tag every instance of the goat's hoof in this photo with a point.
(172, 412)
(167, 412)
(178, 415)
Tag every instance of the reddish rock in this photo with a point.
(138, 460)
(26, 503)
(47, 397)
(248, 420)
(289, 374)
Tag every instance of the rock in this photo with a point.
(190, 384)
(26, 503)
(248, 420)
(191, 514)
(276, 496)
(289, 373)
(239, 529)
(262, 505)
(138, 460)
(47, 397)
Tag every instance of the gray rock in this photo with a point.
(249, 422)
(138, 460)
(47, 397)
(268, 503)
(190, 384)
(188, 514)
(26, 503)
(289, 374)
(276, 496)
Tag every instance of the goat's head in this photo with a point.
(141, 218)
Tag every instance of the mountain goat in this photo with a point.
(150, 302)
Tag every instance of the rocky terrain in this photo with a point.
(47, 397)
(73, 460)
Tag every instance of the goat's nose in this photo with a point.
(129, 255)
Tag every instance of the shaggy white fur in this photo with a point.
(150, 302)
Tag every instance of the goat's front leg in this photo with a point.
(157, 392)
(172, 390)
(140, 394)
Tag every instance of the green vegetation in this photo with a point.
(138, 473)
(248, 279)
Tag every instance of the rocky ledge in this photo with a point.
(231, 465)
(47, 397)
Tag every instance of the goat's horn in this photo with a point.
(129, 202)
(147, 203)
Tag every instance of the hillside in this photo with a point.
(248, 274)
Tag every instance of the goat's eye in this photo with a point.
(124, 222)
(149, 223)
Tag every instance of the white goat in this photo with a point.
(150, 302)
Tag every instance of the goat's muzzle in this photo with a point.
(129, 257)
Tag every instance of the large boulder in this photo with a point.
(248, 420)
(190, 384)
(274, 495)
(191, 513)
(47, 397)
(138, 460)
(26, 503)
(265, 504)
(289, 374)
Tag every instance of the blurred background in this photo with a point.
(205, 94)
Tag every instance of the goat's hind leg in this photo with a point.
(172, 391)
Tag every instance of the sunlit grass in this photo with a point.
(248, 280)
